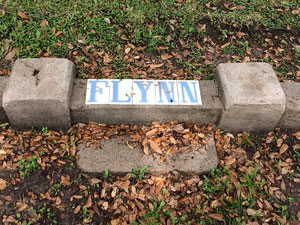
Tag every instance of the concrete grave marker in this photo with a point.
(38, 93)
(143, 92)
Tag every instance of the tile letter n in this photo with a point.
(189, 93)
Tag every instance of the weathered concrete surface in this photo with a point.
(118, 158)
(38, 93)
(291, 116)
(3, 117)
(252, 97)
(145, 114)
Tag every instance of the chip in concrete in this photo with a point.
(116, 157)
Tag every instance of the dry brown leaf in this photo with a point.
(296, 11)
(173, 141)
(297, 135)
(151, 132)
(172, 151)
(44, 23)
(251, 212)
(279, 142)
(116, 222)
(169, 38)
(89, 202)
(58, 33)
(216, 216)
(166, 56)
(154, 146)
(107, 20)
(154, 66)
(283, 148)
(3, 184)
(11, 54)
(105, 205)
(77, 209)
(146, 150)
(230, 161)
(95, 181)
(240, 34)
(225, 45)
(256, 155)
(23, 15)
(106, 58)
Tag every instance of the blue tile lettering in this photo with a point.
(186, 89)
(143, 89)
(94, 89)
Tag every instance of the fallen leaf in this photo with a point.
(151, 132)
(279, 142)
(169, 38)
(106, 58)
(225, 45)
(216, 216)
(166, 56)
(155, 146)
(230, 161)
(105, 205)
(58, 33)
(116, 222)
(256, 155)
(127, 50)
(11, 54)
(107, 20)
(44, 23)
(3, 184)
(77, 209)
(240, 34)
(283, 148)
(89, 202)
(297, 135)
(154, 66)
(252, 212)
(95, 181)
(296, 11)
(23, 15)
(173, 141)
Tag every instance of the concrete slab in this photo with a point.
(38, 93)
(145, 114)
(291, 116)
(118, 158)
(3, 82)
(252, 97)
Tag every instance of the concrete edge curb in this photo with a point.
(214, 109)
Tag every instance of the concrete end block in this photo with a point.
(209, 112)
(38, 93)
(291, 116)
(3, 82)
(252, 97)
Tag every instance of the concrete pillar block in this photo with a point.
(38, 93)
(251, 95)
(3, 117)
(291, 116)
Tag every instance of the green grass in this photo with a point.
(109, 26)
(28, 166)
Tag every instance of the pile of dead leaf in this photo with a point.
(257, 180)
(162, 139)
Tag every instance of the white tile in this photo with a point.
(189, 92)
(166, 92)
(143, 92)
(97, 91)
(121, 92)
